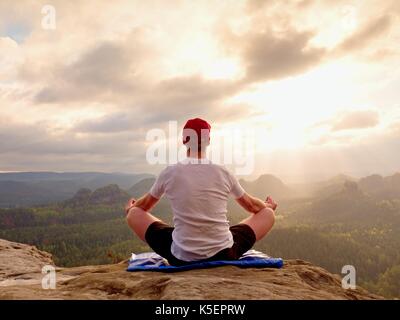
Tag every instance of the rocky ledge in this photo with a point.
(21, 278)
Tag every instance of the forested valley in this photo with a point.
(338, 223)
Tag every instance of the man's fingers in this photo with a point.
(129, 205)
(271, 202)
(131, 201)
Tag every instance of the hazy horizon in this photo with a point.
(290, 179)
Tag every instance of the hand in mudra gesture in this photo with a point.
(129, 205)
(271, 203)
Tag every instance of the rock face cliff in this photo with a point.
(21, 278)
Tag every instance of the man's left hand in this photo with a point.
(271, 203)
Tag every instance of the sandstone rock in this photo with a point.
(20, 278)
(21, 263)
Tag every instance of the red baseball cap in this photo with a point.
(200, 126)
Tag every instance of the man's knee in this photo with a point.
(133, 215)
(269, 215)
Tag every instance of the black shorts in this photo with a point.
(159, 238)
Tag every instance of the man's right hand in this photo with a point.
(271, 203)
(129, 205)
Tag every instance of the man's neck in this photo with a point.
(198, 155)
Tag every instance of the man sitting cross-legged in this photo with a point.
(198, 191)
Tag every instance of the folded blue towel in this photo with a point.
(151, 261)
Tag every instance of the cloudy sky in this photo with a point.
(317, 80)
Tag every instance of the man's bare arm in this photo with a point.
(146, 203)
(251, 204)
(255, 205)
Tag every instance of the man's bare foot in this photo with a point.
(129, 205)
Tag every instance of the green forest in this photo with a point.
(347, 226)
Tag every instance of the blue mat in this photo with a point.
(151, 261)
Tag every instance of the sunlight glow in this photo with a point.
(291, 107)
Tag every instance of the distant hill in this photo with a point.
(17, 193)
(332, 186)
(140, 188)
(267, 185)
(90, 180)
(322, 188)
(349, 204)
(37, 188)
(108, 195)
(85, 206)
(375, 185)
(41, 188)
(381, 187)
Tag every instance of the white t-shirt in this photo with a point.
(198, 191)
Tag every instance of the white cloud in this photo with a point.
(356, 120)
(112, 70)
